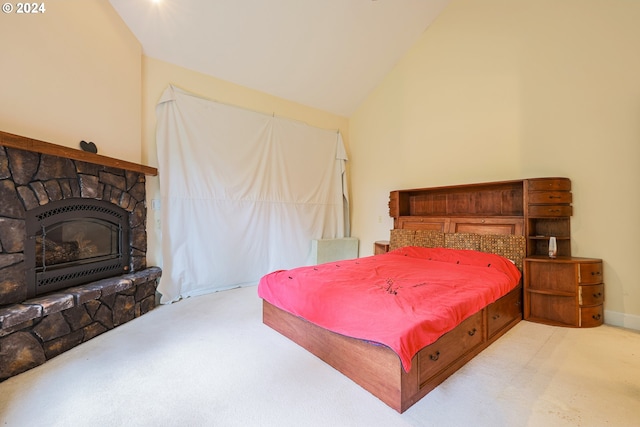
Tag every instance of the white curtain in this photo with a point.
(242, 193)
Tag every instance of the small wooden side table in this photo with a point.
(564, 291)
(381, 247)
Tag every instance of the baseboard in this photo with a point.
(623, 320)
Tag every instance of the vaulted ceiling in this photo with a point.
(326, 54)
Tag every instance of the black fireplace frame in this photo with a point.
(41, 282)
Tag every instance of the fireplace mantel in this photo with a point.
(28, 144)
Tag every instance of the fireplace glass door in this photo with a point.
(75, 241)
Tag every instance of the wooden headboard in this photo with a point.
(488, 217)
(536, 208)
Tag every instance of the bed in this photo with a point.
(397, 376)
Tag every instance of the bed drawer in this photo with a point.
(437, 356)
(504, 311)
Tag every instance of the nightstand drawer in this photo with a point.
(591, 316)
(591, 295)
(549, 211)
(591, 273)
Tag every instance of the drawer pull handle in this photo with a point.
(554, 210)
(555, 197)
(596, 316)
(598, 295)
(472, 332)
(496, 316)
(595, 273)
(434, 356)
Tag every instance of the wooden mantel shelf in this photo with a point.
(28, 144)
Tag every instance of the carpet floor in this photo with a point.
(209, 361)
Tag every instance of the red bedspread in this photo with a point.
(405, 299)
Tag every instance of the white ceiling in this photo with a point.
(327, 54)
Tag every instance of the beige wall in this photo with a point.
(503, 89)
(158, 75)
(72, 73)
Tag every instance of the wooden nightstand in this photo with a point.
(564, 291)
(381, 247)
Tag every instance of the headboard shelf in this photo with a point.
(498, 199)
(536, 208)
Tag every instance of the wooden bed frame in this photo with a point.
(376, 367)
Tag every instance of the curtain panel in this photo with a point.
(242, 193)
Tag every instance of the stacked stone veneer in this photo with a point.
(43, 327)
(32, 331)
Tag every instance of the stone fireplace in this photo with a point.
(72, 249)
